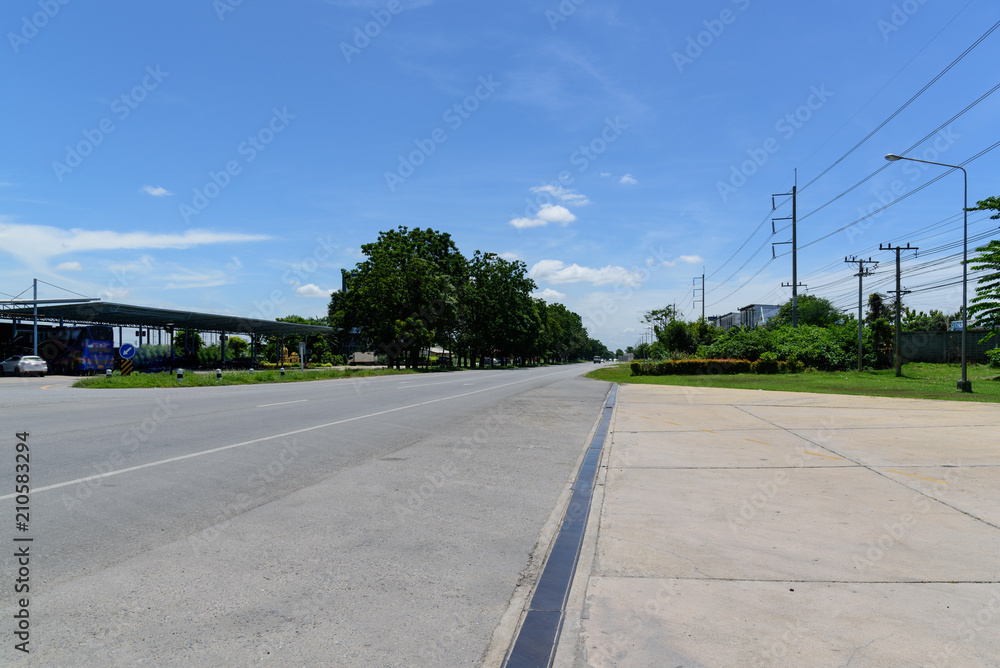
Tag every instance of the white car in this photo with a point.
(24, 365)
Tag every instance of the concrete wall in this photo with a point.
(944, 346)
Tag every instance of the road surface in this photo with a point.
(385, 521)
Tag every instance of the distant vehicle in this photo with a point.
(24, 365)
(597, 359)
(79, 350)
(363, 358)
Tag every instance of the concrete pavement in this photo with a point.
(741, 528)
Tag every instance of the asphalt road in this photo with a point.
(368, 522)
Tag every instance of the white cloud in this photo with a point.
(556, 271)
(186, 278)
(313, 290)
(511, 257)
(567, 195)
(548, 213)
(605, 174)
(69, 266)
(683, 259)
(35, 243)
(628, 180)
(549, 295)
(155, 191)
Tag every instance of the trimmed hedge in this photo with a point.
(691, 367)
(713, 367)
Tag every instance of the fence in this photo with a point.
(945, 346)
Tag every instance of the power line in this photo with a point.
(916, 144)
(905, 104)
(886, 85)
(901, 197)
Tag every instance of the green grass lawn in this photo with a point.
(919, 381)
(192, 379)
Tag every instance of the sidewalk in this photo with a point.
(742, 528)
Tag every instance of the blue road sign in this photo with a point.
(127, 351)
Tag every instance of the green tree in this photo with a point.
(812, 310)
(677, 337)
(499, 314)
(985, 307)
(660, 318)
(879, 308)
(237, 347)
(935, 321)
(185, 345)
(405, 295)
(569, 336)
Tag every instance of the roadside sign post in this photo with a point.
(126, 351)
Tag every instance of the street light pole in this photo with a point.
(964, 385)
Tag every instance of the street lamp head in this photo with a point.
(892, 157)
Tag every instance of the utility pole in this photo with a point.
(34, 307)
(862, 272)
(794, 242)
(788, 285)
(899, 301)
(702, 300)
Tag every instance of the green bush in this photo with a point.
(691, 367)
(767, 364)
(994, 357)
(830, 348)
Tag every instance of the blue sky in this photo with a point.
(232, 156)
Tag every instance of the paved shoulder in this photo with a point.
(766, 528)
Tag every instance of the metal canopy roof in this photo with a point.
(126, 315)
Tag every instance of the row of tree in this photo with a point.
(416, 290)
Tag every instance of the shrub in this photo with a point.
(691, 367)
(767, 364)
(994, 357)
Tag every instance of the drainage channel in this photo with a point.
(534, 646)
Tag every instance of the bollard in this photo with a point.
(282, 371)
(218, 374)
(180, 375)
(107, 374)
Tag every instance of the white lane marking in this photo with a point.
(282, 403)
(446, 382)
(269, 438)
